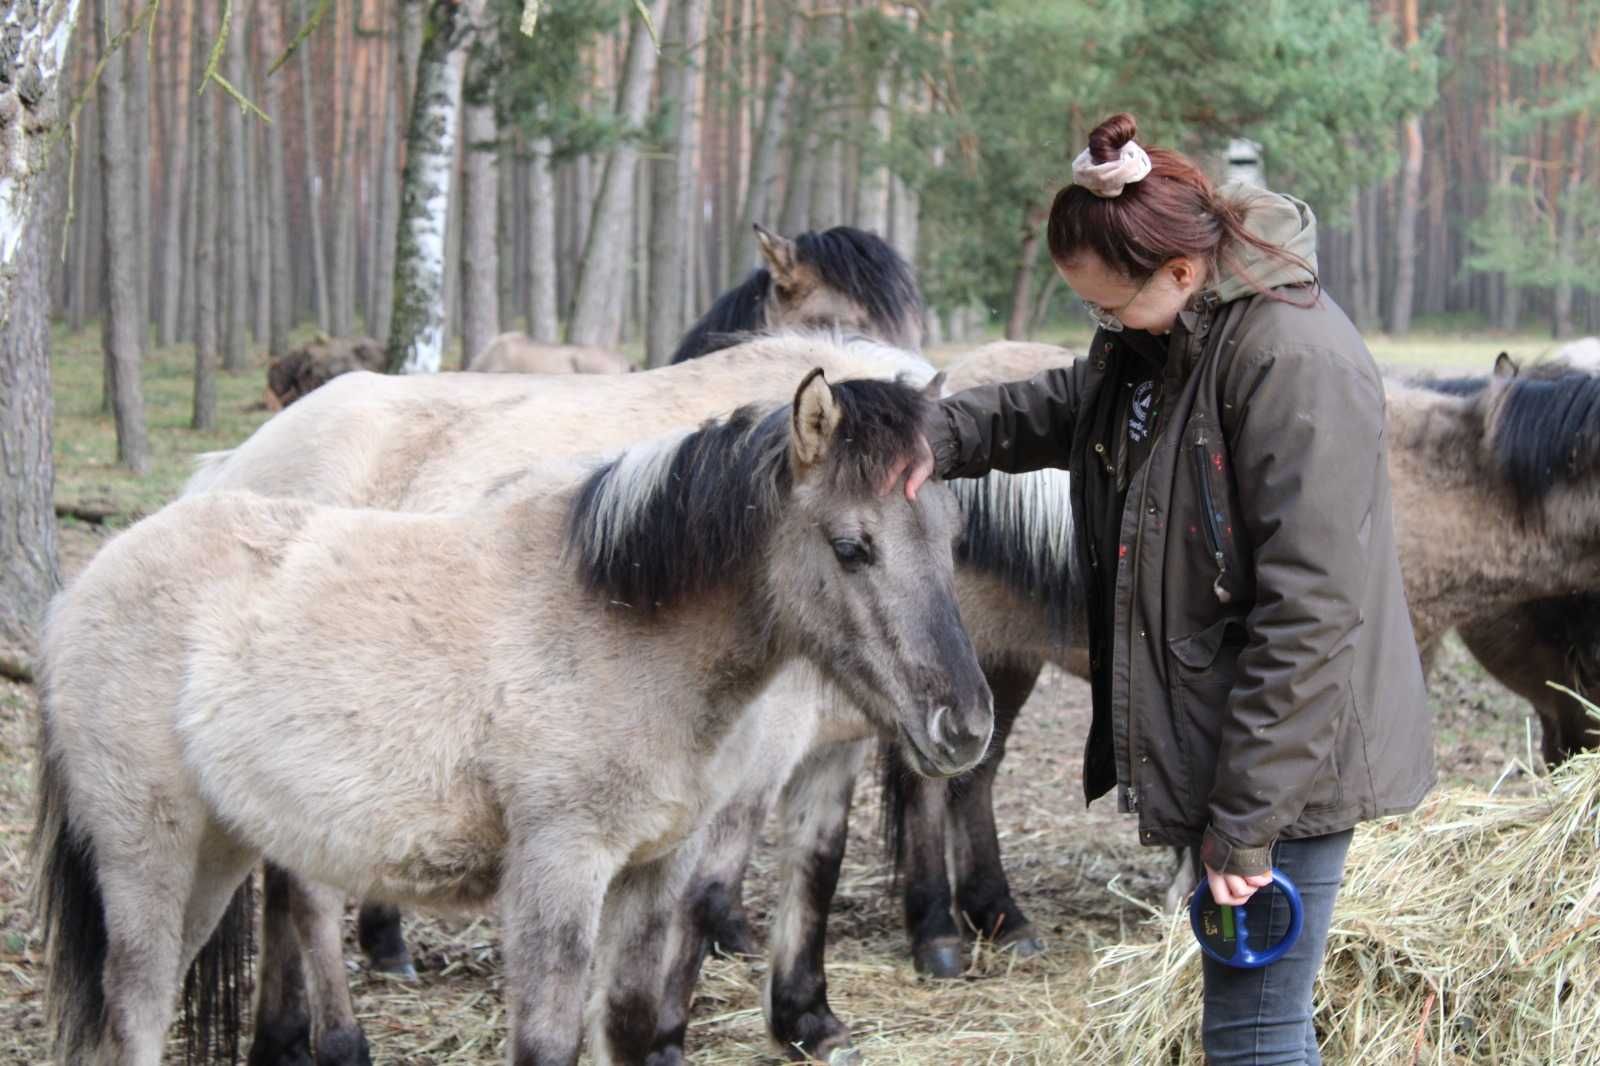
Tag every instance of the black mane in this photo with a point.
(1547, 433)
(651, 529)
(862, 266)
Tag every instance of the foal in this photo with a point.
(220, 685)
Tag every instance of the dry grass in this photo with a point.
(1468, 932)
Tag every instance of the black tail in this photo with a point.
(216, 990)
(71, 912)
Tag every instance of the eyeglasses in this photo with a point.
(1107, 317)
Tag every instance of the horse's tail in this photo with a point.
(70, 910)
(207, 468)
(216, 990)
(892, 778)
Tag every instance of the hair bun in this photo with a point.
(1105, 143)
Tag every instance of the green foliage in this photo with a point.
(538, 81)
(1318, 83)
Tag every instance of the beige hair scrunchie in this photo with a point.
(1108, 179)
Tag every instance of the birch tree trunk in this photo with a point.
(121, 329)
(233, 256)
(596, 319)
(282, 314)
(36, 35)
(205, 232)
(416, 333)
(480, 305)
(872, 212)
(672, 218)
(544, 325)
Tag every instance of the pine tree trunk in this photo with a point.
(1405, 229)
(872, 208)
(759, 205)
(206, 258)
(1567, 243)
(313, 179)
(37, 36)
(121, 326)
(139, 108)
(234, 250)
(282, 316)
(595, 320)
(1022, 278)
(480, 249)
(544, 325)
(672, 221)
(176, 166)
(416, 334)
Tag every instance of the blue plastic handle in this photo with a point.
(1244, 957)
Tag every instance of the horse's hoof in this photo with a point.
(844, 1056)
(940, 957)
(280, 1044)
(345, 1046)
(732, 940)
(400, 967)
(1023, 943)
(665, 1056)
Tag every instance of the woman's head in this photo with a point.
(1136, 252)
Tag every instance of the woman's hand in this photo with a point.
(1231, 890)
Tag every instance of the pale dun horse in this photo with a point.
(445, 709)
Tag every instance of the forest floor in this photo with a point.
(1079, 873)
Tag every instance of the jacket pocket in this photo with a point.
(1204, 671)
(1206, 459)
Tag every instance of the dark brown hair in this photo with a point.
(1175, 211)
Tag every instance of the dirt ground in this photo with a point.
(1079, 874)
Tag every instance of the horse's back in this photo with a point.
(1005, 361)
(517, 353)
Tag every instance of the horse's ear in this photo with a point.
(934, 390)
(778, 252)
(816, 416)
(1505, 366)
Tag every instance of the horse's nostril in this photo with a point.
(936, 723)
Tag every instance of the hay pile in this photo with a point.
(1468, 932)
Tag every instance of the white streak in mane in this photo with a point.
(626, 494)
(876, 358)
(1019, 528)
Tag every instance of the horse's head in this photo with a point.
(1541, 433)
(842, 279)
(861, 568)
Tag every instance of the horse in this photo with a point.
(219, 686)
(431, 443)
(843, 279)
(517, 353)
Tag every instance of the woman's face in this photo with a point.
(1150, 304)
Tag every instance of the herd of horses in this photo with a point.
(414, 641)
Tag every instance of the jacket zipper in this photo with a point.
(1212, 528)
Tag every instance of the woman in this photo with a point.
(1257, 691)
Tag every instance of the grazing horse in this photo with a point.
(517, 353)
(220, 686)
(843, 279)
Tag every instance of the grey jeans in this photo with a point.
(1263, 1017)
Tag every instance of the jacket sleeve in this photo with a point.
(1014, 427)
(1307, 447)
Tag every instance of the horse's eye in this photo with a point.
(852, 554)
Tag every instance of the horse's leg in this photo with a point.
(550, 902)
(717, 893)
(719, 859)
(163, 902)
(916, 808)
(814, 815)
(983, 894)
(1534, 643)
(644, 914)
(317, 912)
(283, 1018)
(378, 933)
